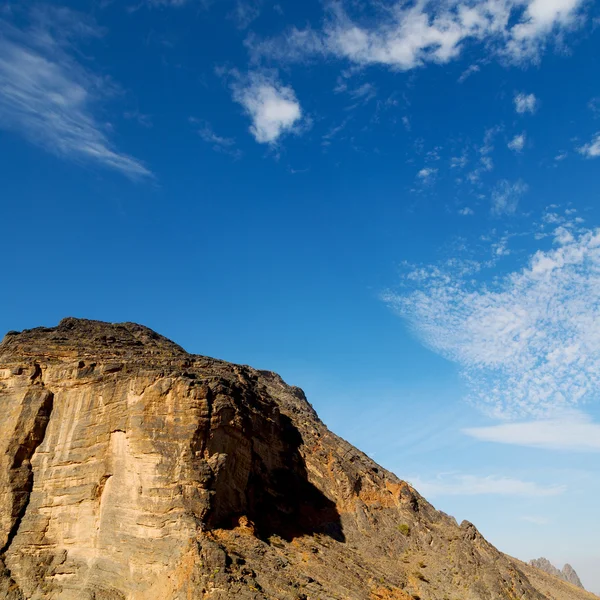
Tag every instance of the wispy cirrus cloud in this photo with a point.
(471, 70)
(363, 94)
(484, 151)
(219, 143)
(536, 520)
(48, 97)
(573, 431)
(411, 35)
(527, 340)
(272, 106)
(506, 196)
(454, 484)
(176, 3)
(245, 12)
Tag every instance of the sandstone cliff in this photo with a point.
(132, 470)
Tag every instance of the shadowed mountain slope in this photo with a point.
(130, 470)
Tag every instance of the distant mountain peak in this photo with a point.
(568, 573)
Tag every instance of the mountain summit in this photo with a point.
(132, 470)
(568, 573)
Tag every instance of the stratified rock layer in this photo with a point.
(132, 470)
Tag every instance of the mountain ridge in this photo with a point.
(567, 573)
(133, 470)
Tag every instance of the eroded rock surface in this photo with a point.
(132, 470)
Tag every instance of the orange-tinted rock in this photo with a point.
(132, 470)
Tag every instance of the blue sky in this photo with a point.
(393, 204)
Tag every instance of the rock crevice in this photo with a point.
(28, 434)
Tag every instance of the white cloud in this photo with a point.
(540, 18)
(485, 151)
(535, 520)
(506, 196)
(48, 97)
(488, 140)
(273, 107)
(365, 93)
(334, 131)
(591, 150)
(466, 211)
(360, 96)
(471, 485)
(527, 341)
(427, 174)
(525, 103)
(411, 35)
(572, 432)
(459, 162)
(245, 12)
(468, 72)
(517, 143)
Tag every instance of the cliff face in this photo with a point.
(132, 470)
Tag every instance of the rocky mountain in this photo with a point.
(568, 573)
(132, 470)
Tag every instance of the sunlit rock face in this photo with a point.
(130, 469)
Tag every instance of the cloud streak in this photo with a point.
(527, 341)
(506, 196)
(48, 97)
(219, 143)
(471, 485)
(535, 520)
(574, 432)
(409, 36)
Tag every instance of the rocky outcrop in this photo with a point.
(132, 470)
(567, 574)
(545, 565)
